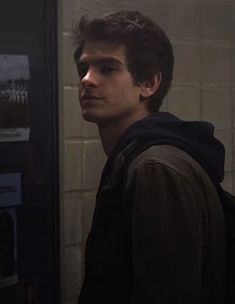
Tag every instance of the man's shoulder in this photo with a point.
(166, 155)
(173, 159)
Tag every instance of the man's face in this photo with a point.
(107, 91)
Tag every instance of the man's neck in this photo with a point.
(109, 138)
(111, 134)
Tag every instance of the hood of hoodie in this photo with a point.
(194, 137)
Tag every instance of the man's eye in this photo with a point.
(107, 69)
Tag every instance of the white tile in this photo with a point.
(90, 129)
(219, 1)
(216, 107)
(233, 62)
(174, 16)
(69, 11)
(69, 72)
(73, 121)
(233, 107)
(185, 103)
(233, 181)
(216, 65)
(233, 21)
(216, 22)
(73, 218)
(72, 166)
(187, 64)
(73, 269)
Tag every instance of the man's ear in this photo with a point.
(149, 87)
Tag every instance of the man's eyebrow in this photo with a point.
(100, 61)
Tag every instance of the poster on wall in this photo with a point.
(8, 251)
(10, 190)
(14, 98)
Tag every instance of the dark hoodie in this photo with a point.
(194, 137)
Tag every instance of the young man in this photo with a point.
(158, 232)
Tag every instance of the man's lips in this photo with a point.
(90, 97)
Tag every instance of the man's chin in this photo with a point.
(90, 117)
(96, 119)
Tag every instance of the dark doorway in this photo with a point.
(29, 174)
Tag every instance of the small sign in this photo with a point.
(10, 189)
(21, 134)
(14, 98)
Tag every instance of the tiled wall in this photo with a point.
(203, 35)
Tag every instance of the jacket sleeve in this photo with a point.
(167, 236)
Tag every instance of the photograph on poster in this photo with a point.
(14, 98)
(8, 250)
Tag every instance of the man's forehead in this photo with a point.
(102, 50)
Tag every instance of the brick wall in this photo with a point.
(203, 36)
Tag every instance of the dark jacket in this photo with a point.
(158, 233)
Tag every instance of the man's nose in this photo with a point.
(90, 78)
